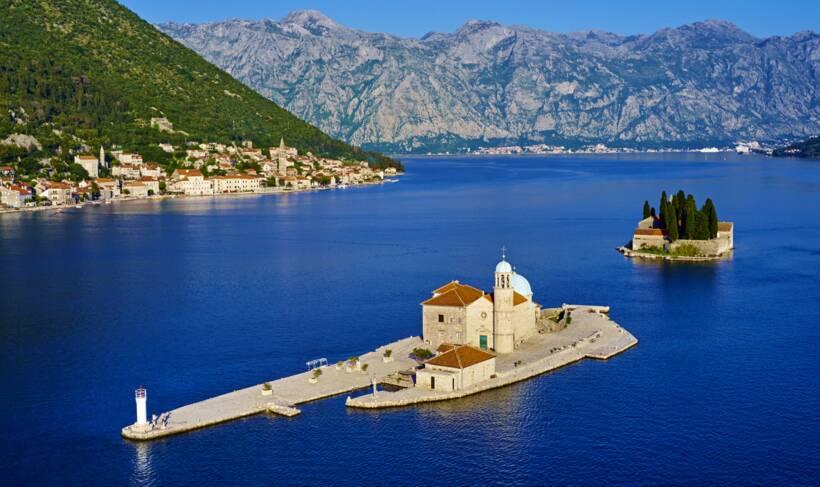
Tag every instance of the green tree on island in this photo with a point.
(689, 217)
(672, 227)
(681, 218)
(711, 215)
(701, 226)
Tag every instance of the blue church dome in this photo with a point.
(521, 285)
(503, 266)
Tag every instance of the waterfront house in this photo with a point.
(109, 188)
(15, 196)
(59, 193)
(151, 184)
(135, 189)
(190, 182)
(237, 183)
(455, 368)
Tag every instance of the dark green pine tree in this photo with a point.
(701, 226)
(711, 215)
(689, 216)
(672, 226)
(664, 214)
(680, 201)
(663, 202)
(647, 210)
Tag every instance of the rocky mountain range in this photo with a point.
(488, 84)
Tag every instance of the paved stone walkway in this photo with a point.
(286, 392)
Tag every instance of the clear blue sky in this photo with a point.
(414, 18)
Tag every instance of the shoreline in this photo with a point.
(632, 254)
(275, 191)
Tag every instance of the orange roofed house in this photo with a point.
(456, 367)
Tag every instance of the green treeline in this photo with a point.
(681, 218)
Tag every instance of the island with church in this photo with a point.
(681, 232)
(471, 341)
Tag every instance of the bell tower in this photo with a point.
(503, 306)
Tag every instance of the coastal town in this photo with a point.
(202, 169)
(742, 147)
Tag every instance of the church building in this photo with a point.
(459, 314)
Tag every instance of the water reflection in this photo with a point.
(143, 472)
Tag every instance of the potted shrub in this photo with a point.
(364, 368)
(388, 356)
(314, 377)
(267, 390)
(422, 353)
(339, 365)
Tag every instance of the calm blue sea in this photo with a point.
(198, 297)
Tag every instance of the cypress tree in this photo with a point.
(647, 211)
(680, 198)
(665, 215)
(711, 214)
(701, 226)
(664, 201)
(672, 228)
(689, 218)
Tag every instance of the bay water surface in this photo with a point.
(193, 298)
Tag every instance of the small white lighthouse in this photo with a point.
(141, 396)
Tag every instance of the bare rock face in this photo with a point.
(700, 84)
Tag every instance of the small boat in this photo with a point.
(343, 186)
(78, 206)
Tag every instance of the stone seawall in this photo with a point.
(601, 339)
(713, 247)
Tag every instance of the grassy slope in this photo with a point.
(95, 69)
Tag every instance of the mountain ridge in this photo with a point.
(706, 82)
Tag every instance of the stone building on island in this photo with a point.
(468, 326)
(456, 367)
(459, 314)
(649, 235)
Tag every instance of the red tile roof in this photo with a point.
(455, 294)
(461, 357)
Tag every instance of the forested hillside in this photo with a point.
(76, 74)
